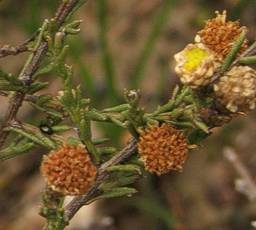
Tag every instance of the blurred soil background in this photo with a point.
(130, 44)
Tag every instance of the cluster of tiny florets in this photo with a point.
(219, 35)
(162, 148)
(69, 170)
(236, 89)
(197, 65)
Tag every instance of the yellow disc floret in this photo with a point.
(194, 58)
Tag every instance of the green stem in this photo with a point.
(248, 60)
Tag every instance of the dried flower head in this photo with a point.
(196, 65)
(219, 35)
(162, 148)
(236, 90)
(69, 170)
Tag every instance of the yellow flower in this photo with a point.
(196, 65)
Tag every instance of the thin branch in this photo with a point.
(28, 98)
(72, 208)
(7, 50)
(26, 75)
(245, 184)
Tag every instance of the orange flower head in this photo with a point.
(69, 170)
(162, 149)
(219, 35)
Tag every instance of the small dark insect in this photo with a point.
(46, 126)
(46, 129)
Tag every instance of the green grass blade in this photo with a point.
(160, 21)
(106, 58)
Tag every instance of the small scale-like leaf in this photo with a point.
(13, 151)
(37, 86)
(201, 125)
(60, 128)
(118, 108)
(96, 115)
(106, 150)
(98, 141)
(8, 86)
(117, 122)
(248, 60)
(125, 168)
(117, 192)
(118, 182)
(34, 135)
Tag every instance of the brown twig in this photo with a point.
(77, 202)
(15, 50)
(28, 97)
(26, 75)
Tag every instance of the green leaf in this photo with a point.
(73, 141)
(201, 125)
(35, 135)
(9, 82)
(107, 150)
(60, 128)
(47, 110)
(96, 115)
(15, 150)
(98, 141)
(248, 60)
(233, 53)
(7, 86)
(117, 192)
(118, 108)
(113, 182)
(37, 86)
(125, 168)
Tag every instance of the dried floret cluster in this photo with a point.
(219, 35)
(162, 148)
(198, 64)
(236, 89)
(69, 170)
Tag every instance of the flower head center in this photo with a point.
(194, 58)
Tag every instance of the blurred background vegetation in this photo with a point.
(130, 44)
